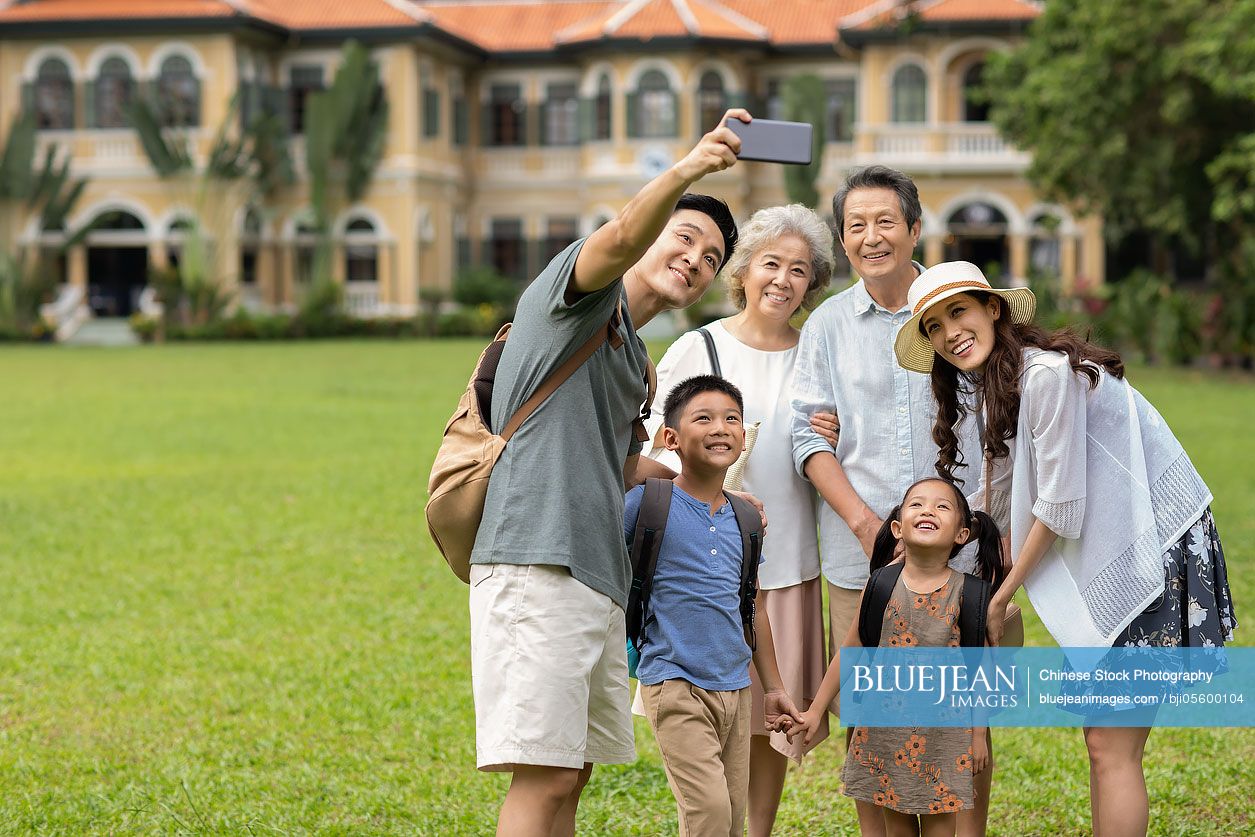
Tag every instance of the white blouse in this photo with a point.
(1103, 471)
(790, 549)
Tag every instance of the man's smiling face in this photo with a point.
(682, 263)
(875, 235)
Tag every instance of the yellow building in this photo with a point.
(514, 127)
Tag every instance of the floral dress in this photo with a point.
(914, 770)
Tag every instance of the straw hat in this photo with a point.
(941, 282)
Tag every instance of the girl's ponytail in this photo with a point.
(885, 544)
(988, 548)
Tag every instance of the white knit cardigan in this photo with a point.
(1103, 471)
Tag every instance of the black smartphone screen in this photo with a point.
(773, 141)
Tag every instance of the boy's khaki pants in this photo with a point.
(704, 738)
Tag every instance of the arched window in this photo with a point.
(712, 101)
(975, 105)
(53, 96)
(250, 243)
(178, 93)
(910, 94)
(1044, 255)
(361, 251)
(306, 246)
(652, 107)
(114, 90)
(601, 109)
(176, 238)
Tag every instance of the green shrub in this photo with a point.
(484, 286)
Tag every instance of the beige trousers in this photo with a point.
(704, 738)
(842, 612)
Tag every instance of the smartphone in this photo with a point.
(773, 141)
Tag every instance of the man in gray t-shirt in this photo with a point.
(550, 572)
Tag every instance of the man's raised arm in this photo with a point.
(620, 243)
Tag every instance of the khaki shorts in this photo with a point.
(548, 669)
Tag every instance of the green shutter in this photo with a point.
(28, 96)
(485, 124)
(586, 114)
(673, 126)
(542, 127)
(193, 118)
(633, 118)
(461, 125)
(89, 104)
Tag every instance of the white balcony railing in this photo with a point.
(115, 145)
(975, 140)
(897, 141)
(361, 299)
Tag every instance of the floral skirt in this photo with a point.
(1196, 608)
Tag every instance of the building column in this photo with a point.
(1067, 263)
(1019, 258)
(934, 250)
(76, 266)
(267, 272)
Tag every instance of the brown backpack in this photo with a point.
(458, 485)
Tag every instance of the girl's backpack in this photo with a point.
(458, 485)
(973, 607)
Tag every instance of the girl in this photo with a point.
(1111, 531)
(921, 777)
(782, 265)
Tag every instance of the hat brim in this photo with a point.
(915, 352)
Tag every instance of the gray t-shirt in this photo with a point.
(556, 493)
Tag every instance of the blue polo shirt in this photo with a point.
(693, 628)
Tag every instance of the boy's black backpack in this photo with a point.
(651, 522)
(973, 607)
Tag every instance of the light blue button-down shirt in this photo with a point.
(846, 365)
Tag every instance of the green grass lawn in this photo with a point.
(221, 613)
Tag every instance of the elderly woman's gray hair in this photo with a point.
(765, 227)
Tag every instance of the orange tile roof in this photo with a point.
(643, 20)
(889, 13)
(541, 25)
(336, 14)
(514, 26)
(798, 21)
(67, 10)
(981, 10)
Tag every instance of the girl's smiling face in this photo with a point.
(962, 330)
(930, 518)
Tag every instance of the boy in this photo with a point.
(694, 666)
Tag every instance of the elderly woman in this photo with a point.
(782, 265)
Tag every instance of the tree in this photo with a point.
(48, 191)
(253, 158)
(805, 100)
(1144, 113)
(346, 126)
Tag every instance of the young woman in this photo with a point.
(1111, 531)
(782, 264)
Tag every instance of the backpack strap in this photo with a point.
(750, 522)
(871, 614)
(566, 370)
(711, 352)
(973, 608)
(651, 523)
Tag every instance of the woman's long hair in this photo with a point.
(999, 382)
(983, 529)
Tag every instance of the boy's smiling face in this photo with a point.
(709, 435)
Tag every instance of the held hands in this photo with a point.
(780, 712)
(828, 426)
(715, 151)
(808, 727)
